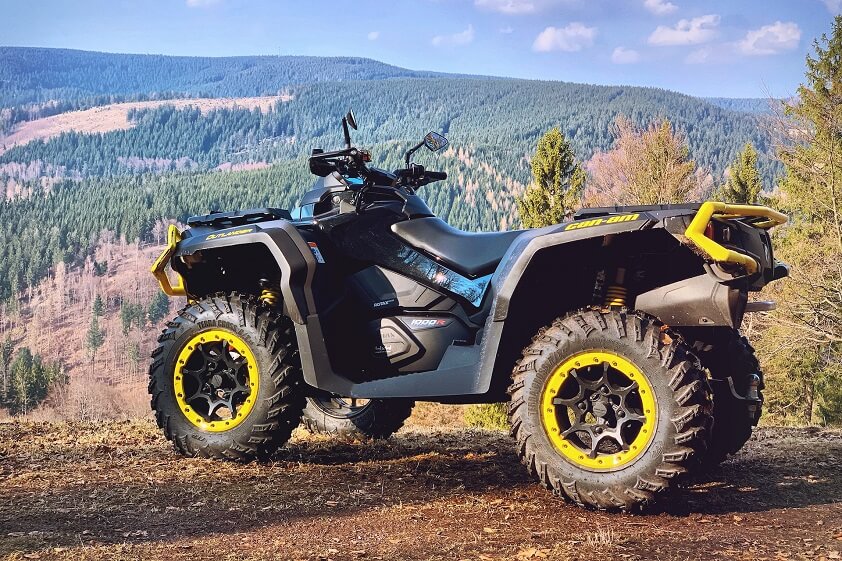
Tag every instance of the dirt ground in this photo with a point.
(117, 491)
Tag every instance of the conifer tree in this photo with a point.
(744, 184)
(95, 337)
(6, 349)
(99, 307)
(804, 339)
(158, 307)
(557, 183)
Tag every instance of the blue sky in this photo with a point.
(731, 48)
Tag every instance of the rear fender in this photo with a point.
(501, 346)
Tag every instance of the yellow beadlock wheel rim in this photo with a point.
(599, 410)
(216, 380)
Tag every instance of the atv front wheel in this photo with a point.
(225, 380)
(608, 409)
(355, 419)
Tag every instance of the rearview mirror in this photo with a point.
(352, 122)
(434, 141)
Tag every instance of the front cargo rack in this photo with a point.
(238, 217)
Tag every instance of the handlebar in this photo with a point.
(418, 176)
(351, 161)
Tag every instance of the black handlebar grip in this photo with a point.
(436, 175)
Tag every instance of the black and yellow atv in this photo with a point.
(614, 336)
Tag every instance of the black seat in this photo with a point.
(468, 253)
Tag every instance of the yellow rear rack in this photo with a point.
(158, 268)
(696, 230)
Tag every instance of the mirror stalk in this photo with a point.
(412, 151)
(347, 132)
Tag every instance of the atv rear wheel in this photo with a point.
(355, 419)
(225, 380)
(727, 354)
(608, 409)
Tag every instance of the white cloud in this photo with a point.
(699, 56)
(622, 55)
(771, 39)
(833, 6)
(660, 7)
(519, 7)
(686, 31)
(201, 3)
(373, 35)
(507, 6)
(457, 39)
(506, 30)
(574, 37)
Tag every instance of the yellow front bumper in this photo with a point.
(159, 267)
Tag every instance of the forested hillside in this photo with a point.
(499, 118)
(756, 105)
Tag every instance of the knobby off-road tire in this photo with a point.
(349, 419)
(258, 348)
(729, 354)
(670, 397)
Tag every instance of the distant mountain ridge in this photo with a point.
(37, 75)
(754, 105)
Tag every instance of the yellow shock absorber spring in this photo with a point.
(270, 297)
(615, 295)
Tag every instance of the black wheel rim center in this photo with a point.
(601, 411)
(216, 381)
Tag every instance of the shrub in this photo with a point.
(488, 416)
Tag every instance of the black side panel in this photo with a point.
(694, 302)
(463, 371)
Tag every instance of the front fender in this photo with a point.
(288, 249)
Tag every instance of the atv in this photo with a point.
(614, 336)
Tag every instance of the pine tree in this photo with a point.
(99, 307)
(803, 340)
(744, 184)
(95, 337)
(30, 381)
(158, 307)
(5, 367)
(21, 392)
(557, 183)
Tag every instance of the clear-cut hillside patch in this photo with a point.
(114, 117)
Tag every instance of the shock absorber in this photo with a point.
(615, 295)
(269, 295)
